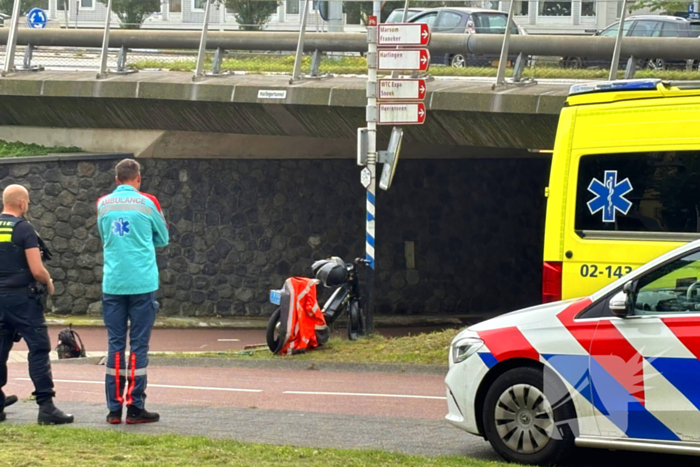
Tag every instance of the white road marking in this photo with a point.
(229, 340)
(167, 386)
(307, 393)
(404, 396)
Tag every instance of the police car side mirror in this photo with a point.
(622, 303)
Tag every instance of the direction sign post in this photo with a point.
(401, 89)
(415, 34)
(403, 59)
(401, 113)
(371, 169)
(386, 52)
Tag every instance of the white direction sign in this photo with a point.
(401, 89)
(403, 59)
(365, 177)
(403, 34)
(404, 113)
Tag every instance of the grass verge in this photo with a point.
(22, 149)
(65, 446)
(426, 349)
(358, 65)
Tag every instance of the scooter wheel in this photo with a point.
(356, 322)
(274, 339)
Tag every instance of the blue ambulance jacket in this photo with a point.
(131, 226)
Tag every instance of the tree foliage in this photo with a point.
(358, 12)
(132, 13)
(7, 5)
(663, 6)
(252, 14)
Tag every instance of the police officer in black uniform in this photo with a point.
(22, 277)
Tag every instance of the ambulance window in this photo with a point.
(639, 192)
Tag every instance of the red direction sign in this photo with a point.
(403, 59)
(401, 113)
(402, 34)
(372, 21)
(401, 89)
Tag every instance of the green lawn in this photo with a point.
(430, 348)
(70, 447)
(21, 149)
(259, 63)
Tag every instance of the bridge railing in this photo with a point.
(275, 51)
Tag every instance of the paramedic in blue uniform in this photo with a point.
(131, 226)
(21, 307)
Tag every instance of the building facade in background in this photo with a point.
(535, 16)
(179, 14)
(563, 17)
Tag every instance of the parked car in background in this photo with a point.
(3, 19)
(465, 21)
(396, 16)
(642, 26)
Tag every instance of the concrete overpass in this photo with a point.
(165, 114)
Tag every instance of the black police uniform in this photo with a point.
(21, 309)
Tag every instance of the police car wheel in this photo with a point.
(529, 417)
(274, 340)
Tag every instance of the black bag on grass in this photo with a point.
(70, 345)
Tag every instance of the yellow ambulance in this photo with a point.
(624, 184)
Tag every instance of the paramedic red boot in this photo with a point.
(135, 415)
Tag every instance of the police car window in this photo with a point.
(672, 288)
(639, 192)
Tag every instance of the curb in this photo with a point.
(261, 323)
(281, 364)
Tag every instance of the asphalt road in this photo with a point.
(395, 412)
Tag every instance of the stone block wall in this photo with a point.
(239, 228)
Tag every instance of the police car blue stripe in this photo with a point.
(574, 369)
(683, 373)
(488, 359)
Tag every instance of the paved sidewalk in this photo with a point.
(307, 429)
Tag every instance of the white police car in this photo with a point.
(618, 370)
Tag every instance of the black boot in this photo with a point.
(49, 414)
(2, 416)
(114, 417)
(135, 415)
(9, 400)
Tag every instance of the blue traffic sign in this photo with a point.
(36, 18)
(691, 8)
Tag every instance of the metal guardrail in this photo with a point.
(300, 42)
(561, 46)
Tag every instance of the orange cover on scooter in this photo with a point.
(304, 315)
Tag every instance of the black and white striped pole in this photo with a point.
(369, 173)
